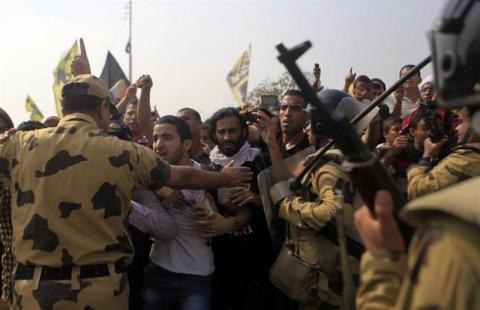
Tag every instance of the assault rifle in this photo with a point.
(366, 171)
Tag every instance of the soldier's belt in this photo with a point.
(25, 272)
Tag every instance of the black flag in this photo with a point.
(112, 72)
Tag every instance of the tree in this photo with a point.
(275, 87)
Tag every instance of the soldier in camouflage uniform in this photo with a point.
(441, 270)
(462, 163)
(329, 189)
(71, 189)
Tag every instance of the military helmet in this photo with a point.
(455, 43)
(340, 104)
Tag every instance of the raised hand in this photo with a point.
(399, 94)
(80, 64)
(131, 91)
(400, 143)
(144, 82)
(381, 232)
(316, 73)
(431, 149)
(350, 77)
(268, 128)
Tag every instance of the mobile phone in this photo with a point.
(266, 111)
(268, 101)
(252, 116)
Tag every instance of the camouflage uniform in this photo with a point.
(329, 188)
(442, 270)
(462, 163)
(71, 189)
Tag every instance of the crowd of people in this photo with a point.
(113, 207)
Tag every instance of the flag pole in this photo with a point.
(130, 40)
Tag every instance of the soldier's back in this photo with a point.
(444, 255)
(72, 186)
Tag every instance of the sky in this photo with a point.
(188, 47)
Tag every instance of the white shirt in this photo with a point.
(186, 252)
(408, 106)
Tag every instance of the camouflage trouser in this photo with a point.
(109, 292)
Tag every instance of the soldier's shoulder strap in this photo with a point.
(469, 147)
(334, 156)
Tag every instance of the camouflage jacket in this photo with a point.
(462, 163)
(71, 189)
(329, 189)
(442, 269)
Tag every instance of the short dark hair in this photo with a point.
(4, 115)
(81, 103)
(133, 101)
(362, 78)
(293, 92)
(182, 126)
(389, 122)
(75, 99)
(30, 125)
(222, 113)
(379, 81)
(409, 66)
(195, 114)
(415, 120)
(207, 124)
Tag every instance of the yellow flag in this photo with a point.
(238, 78)
(30, 106)
(62, 75)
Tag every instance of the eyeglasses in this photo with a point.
(292, 107)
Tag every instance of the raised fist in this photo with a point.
(144, 82)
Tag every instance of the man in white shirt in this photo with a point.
(181, 264)
(405, 100)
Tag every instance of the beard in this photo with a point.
(230, 148)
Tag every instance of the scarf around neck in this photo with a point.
(246, 153)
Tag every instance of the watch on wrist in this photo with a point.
(426, 160)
